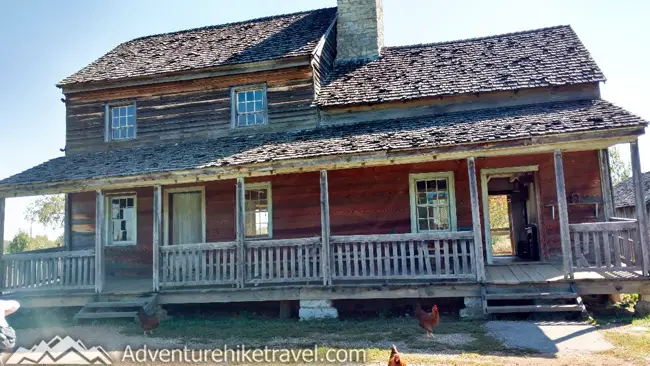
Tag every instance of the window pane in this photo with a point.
(257, 214)
(423, 225)
(432, 199)
(250, 95)
(250, 119)
(258, 95)
(442, 184)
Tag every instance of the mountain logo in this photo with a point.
(60, 351)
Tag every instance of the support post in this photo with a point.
(563, 215)
(606, 183)
(67, 225)
(639, 205)
(99, 241)
(2, 243)
(476, 220)
(325, 229)
(241, 230)
(157, 234)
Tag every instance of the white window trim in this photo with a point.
(109, 217)
(166, 193)
(413, 178)
(108, 132)
(269, 198)
(233, 105)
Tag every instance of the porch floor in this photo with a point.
(128, 285)
(548, 272)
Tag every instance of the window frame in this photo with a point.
(108, 127)
(269, 198)
(413, 179)
(108, 208)
(233, 105)
(169, 191)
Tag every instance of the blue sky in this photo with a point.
(42, 42)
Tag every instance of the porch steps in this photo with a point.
(117, 308)
(540, 298)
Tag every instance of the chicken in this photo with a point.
(426, 320)
(148, 322)
(394, 359)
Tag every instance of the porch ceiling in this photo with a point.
(272, 151)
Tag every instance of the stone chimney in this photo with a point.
(359, 29)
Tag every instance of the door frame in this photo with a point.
(166, 193)
(486, 174)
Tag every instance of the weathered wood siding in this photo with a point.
(629, 212)
(324, 57)
(193, 109)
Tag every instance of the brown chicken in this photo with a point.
(426, 320)
(394, 359)
(148, 322)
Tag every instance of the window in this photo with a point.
(249, 106)
(121, 122)
(433, 205)
(122, 220)
(258, 210)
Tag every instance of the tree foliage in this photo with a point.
(19, 243)
(619, 168)
(499, 218)
(47, 210)
(22, 242)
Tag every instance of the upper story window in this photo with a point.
(433, 202)
(258, 210)
(121, 122)
(249, 106)
(122, 220)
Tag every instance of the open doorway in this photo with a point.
(511, 214)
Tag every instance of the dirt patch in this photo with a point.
(454, 339)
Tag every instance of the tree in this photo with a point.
(619, 168)
(19, 243)
(47, 210)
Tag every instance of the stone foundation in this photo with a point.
(473, 308)
(642, 308)
(317, 310)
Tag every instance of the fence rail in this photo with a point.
(609, 246)
(60, 270)
(199, 264)
(283, 261)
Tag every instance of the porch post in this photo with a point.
(476, 220)
(606, 183)
(2, 242)
(325, 229)
(639, 205)
(241, 230)
(157, 234)
(99, 241)
(563, 214)
(66, 222)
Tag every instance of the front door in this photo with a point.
(186, 217)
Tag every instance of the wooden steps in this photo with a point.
(530, 295)
(541, 298)
(532, 308)
(117, 308)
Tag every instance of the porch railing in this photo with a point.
(403, 256)
(612, 245)
(199, 264)
(60, 270)
(283, 261)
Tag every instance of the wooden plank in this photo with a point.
(348, 261)
(497, 275)
(563, 214)
(371, 259)
(402, 252)
(607, 249)
(454, 251)
(465, 262)
(437, 254)
(600, 226)
(278, 263)
(578, 249)
(99, 241)
(363, 247)
(531, 295)
(411, 250)
(157, 234)
(520, 274)
(443, 235)
(476, 221)
(625, 241)
(616, 244)
(445, 245)
(325, 229)
(395, 255)
(356, 248)
(241, 229)
(530, 270)
(596, 239)
(380, 259)
(532, 308)
(606, 183)
(640, 206)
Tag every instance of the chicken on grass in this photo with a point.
(395, 359)
(428, 321)
(148, 322)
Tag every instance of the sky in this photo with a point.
(43, 42)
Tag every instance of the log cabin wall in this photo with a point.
(191, 109)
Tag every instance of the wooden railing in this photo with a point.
(608, 246)
(444, 255)
(60, 270)
(283, 261)
(199, 264)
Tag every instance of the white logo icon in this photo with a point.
(59, 351)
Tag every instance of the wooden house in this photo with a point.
(295, 157)
(624, 198)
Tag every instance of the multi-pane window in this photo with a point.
(433, 202)
(122, 224)
(122, 122)
(258, 210)
(249, 107)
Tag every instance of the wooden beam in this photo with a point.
(99, 241)
(563, 214)
(476, 220)
(241, 230)
(325, 229)
(639, 204)
(157, 234)
(606, 183)
(2, 242)
(67, 222)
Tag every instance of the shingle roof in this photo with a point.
(254, 40)
(411, 133)
(624, 191)
(536, 58)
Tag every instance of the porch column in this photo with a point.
(476, 220)
(67, 223)
(563, 214)
(639, 205)
(99, 241)
(325, 229)
(241, 230)
(2, 242)
(157, 234)
(606, 183)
